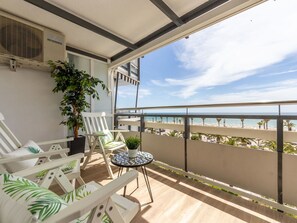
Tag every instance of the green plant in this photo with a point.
(196, 136)
(174, 133)
(132, 142)
(75, 85)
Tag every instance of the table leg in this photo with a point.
(120, 172)
(146, 179)
(137, 179)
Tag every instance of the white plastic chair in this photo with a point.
(99, 135)
(89, 203)
(13, 153)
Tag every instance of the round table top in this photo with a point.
(122, 159)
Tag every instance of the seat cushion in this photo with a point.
(114, 145)
(22, 200)
(107, 138)
(29, 148)
(35, 204)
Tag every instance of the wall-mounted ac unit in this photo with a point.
(29, 44)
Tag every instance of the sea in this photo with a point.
(224, 122)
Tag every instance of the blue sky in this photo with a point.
(249, 57)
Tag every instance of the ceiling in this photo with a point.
(121, 30)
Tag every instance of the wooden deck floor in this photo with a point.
(179, 199)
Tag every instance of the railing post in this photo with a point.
(280, 150)
(186, 137)
(115, 121)
(141, 130)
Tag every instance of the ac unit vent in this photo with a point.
(20, 40)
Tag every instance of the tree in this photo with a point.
(219, 121)
(260, 124)
(242, 122)
(266, 123)
(203, 121)
(289, 124)
(75, 85)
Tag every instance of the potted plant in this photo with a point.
(75, 85)
(132, 144)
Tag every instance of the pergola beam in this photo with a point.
(168, 12)
(83, 23)
(193, 14)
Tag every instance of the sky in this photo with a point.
(249, 57)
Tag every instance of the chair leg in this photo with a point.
(89, 155)
(73, 182)
(108, 166)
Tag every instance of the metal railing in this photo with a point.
(187, 115)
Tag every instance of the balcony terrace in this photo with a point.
(193, 179)
(181, 199)
(259, 174)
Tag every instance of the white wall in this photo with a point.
(30, 108)
(105, 103)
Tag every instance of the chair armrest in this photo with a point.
(33, 156)
(88, 203)
(57, 141)
(96, 134)
(48, 165)
(120, 130)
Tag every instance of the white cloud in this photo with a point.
(279, 73)
(288, 82)
(285, 90)
(238, 47)
(159, 83)
(127, 92)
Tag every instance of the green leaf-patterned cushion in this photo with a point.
(80, 193)
(112, 145)
(107, 138)
(24, 197)
(29, 148)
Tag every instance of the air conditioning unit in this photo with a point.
(29, 44)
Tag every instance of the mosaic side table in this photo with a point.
(141, 160)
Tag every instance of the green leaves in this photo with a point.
(41, 201)
(75, 85)
(46, 206)
(132, 142)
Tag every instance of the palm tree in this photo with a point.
(266, 123)
(219, 121)
(203, 121)
(289, 124)
(242, 122)
(260, 124)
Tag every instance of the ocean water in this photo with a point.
(247, 123)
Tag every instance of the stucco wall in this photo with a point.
(30, 108)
